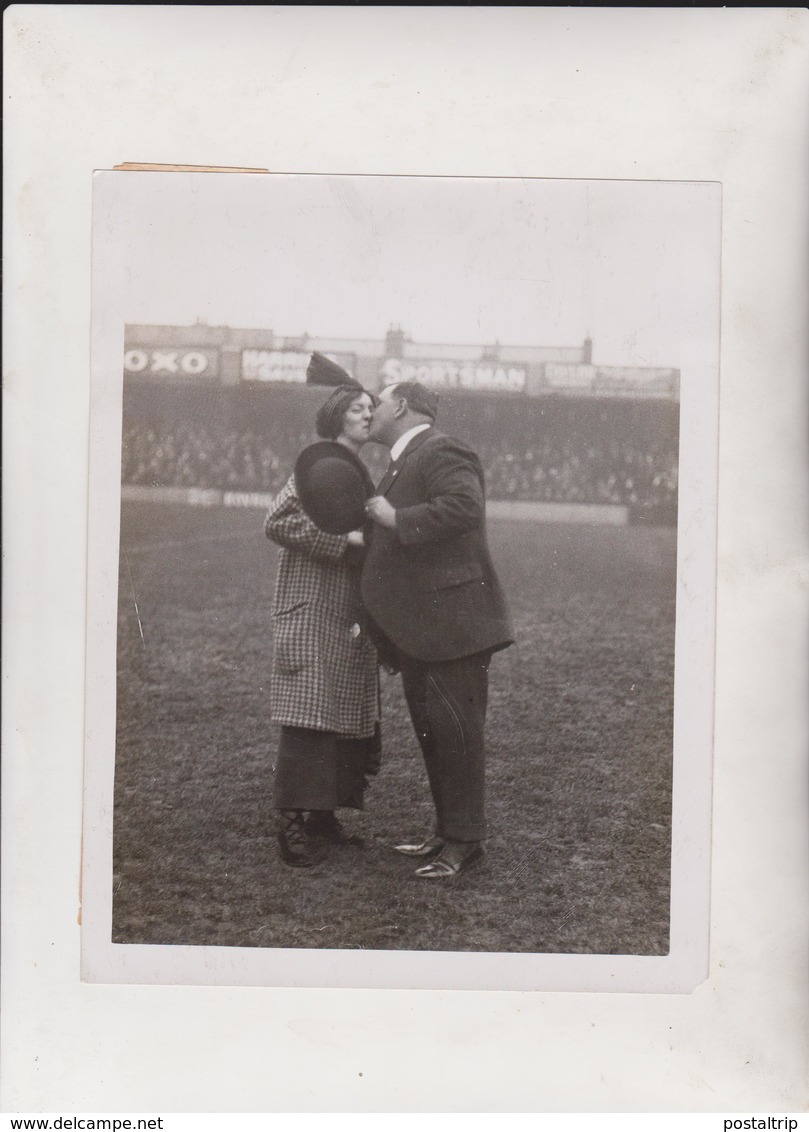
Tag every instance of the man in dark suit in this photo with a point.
(429, 584)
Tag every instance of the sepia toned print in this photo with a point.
(560, 333)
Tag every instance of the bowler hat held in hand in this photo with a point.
(333, 485)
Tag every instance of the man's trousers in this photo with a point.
(447, 703)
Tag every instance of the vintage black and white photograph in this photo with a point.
(396, 646)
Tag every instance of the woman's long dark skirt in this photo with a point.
(316, 770)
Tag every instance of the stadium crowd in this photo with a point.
(563, 471)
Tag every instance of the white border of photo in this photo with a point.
(680, 94)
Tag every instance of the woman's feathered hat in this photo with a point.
(323, 371)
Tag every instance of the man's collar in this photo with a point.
(405, 439)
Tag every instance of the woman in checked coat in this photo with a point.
(324, 683)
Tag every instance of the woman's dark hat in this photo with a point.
(333, 485)
(323, 371)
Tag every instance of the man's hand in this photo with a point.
(356, 538)
(378, 509)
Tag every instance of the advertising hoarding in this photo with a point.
(167, 361)
(444, 374)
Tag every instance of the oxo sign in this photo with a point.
(184, 362)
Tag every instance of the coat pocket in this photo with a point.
(294, 639)
(453, 574)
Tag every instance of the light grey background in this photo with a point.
(631, 264)
(672, 94)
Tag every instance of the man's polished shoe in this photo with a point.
(428, 848)
(455, 858)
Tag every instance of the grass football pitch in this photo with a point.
(579, 740)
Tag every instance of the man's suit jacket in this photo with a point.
(429, 584)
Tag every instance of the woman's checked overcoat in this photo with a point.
(324, 672)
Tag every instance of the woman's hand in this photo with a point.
(355, 538)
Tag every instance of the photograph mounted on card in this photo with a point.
(466, 743)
